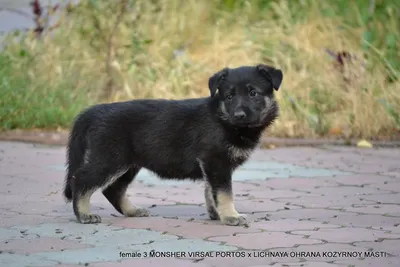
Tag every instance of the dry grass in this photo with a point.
(318, 97)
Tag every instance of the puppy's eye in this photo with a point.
(229, 97)
(252, 93)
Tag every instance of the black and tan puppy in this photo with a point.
(198, 139)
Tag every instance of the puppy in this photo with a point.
(199, 139)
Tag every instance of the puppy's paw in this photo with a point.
(137, 212)
(213, 214)
(89, 218)
(239, 220)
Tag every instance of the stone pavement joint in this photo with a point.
(303, 204)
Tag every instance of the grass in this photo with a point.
(104, 52)
(28, 103)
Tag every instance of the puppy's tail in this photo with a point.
(76, 149)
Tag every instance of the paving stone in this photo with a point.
(310, 264)
(17, 219)
(263, 187)
(180, 211)
(326, 201)
(299, 183)
(350, 163)
(247, 261)
(42, 244)
(261, 205)
(346, 235)
(371, 262)
(377, 151)
(362, 179)
(92, 234)
(272, 194)
(7, 234)
(152, 262)
(184, 228)
(387, 246)
(395, 174)
(363, 220)
(4, 212)
(265, 240)
(287, 225)
(12, 186)
(366, 167)
(384, 198)
(347, 191)
(188, 197)
(305, 214)
(372, 158)
(18, 260)
(260, 170)
(389, 186)
(30, 207)
(288, 154)
(390, 229)
(383, 209)
(240, 187)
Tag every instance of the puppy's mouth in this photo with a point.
(246, 124)
(265, 120)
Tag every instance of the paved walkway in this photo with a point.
(319, 207)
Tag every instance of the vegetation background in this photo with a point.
(340, 58)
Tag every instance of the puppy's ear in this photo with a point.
(275, 76)
(215, 80)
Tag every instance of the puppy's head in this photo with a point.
(246, 94)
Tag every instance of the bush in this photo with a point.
(340, 59)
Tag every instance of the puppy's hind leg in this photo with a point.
(85, 182)
(116, 195)
(210, 203)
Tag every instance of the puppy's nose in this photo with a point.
(239, 114)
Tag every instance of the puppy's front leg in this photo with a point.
(226, 208)
(221, 190)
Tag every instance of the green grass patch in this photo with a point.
(23, 106)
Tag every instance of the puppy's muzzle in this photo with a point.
(242, 118)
